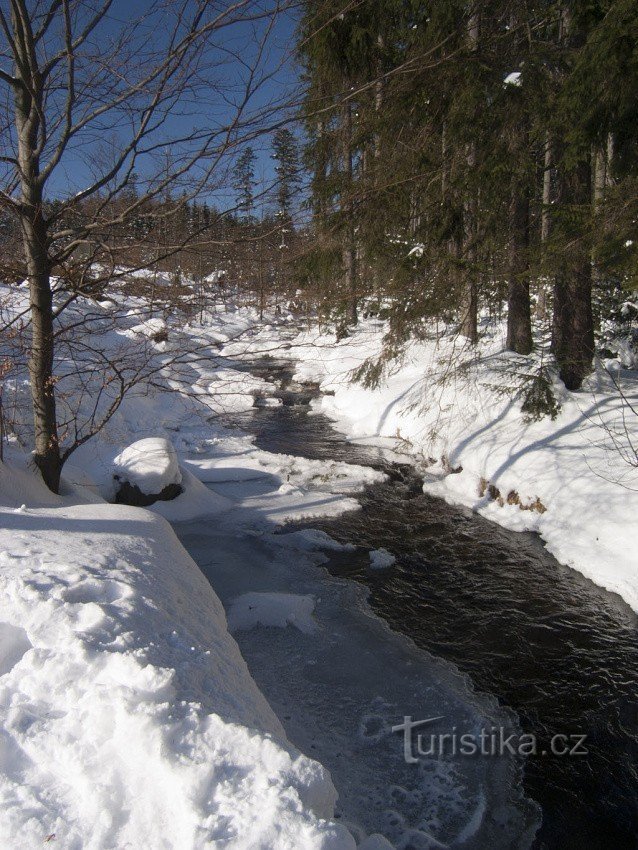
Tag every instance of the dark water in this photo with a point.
(560, 651)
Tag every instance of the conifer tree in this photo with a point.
(286, 154)
(244, 181)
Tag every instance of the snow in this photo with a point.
(381, 559)
(233, 391)
(129, 715)
(272, 609)
(311, 539)
(118, 674)
(456, 413)
(150, 464)
(513, 79)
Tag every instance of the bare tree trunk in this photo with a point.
(519, 326)
(469, 306)
(541, 309)
(28, 111)
(573, 323)
(349, 251)
(573, 326)
(601, 164)
(519, 320)
(378, 106)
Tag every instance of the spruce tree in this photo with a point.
(244, 181)
(286, 154)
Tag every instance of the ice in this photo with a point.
(272, 609)
(341, 687)
(381, 559)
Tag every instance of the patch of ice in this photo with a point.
(272, 609)
(381, 559)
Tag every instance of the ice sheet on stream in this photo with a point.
(340, 687)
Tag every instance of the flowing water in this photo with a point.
(546, 642)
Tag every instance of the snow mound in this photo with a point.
(272, 609)
(381, 559)
(129, 717)
(232, 391)
(149, 464)
(153, 327)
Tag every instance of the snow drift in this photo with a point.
(117, 674)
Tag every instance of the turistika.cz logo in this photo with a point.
(495, 741)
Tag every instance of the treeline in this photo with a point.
(247, 244)
(470, 154)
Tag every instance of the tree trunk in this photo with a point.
(541, 308)
(573, 326)
(28, 111)
(469, 305)
(519, 326)
(349, 250)
(47, 450)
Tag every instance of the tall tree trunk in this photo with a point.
(376, 146)
(573, 325)
(469, 305)
(469, 302)
(519, 326)
(28, 109)
(519, 320)
(349, 250)
(548, 159)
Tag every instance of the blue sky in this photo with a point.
(75, 171)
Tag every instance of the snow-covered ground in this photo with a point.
(129, 717)
(457, 413)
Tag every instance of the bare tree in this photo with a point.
(110, 99)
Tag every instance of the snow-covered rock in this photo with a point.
(147, 468)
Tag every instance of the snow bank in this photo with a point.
(232, 391)
(129, 715)
(457, 413)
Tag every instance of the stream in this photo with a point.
(539, 637)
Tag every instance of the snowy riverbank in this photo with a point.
(452, 410)
(118, 672)
(129, 715)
